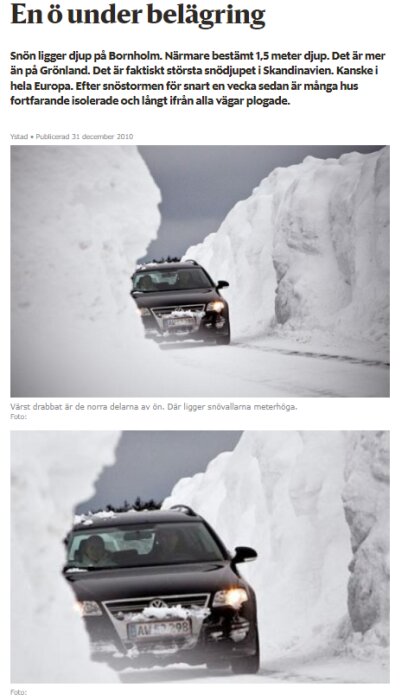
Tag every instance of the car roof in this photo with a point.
(185, 265)
(106, 519)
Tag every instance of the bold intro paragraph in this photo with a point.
(157, 79)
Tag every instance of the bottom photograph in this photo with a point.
(200, 557)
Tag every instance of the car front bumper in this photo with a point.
(209, 325)
(224, 634)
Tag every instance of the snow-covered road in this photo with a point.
(248, 370)
(293, 669)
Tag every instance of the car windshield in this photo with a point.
(147, 545)
(171, 280)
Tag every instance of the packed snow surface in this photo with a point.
(311, 504)
(307, 255)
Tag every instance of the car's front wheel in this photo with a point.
(247, 664)
(223, 339)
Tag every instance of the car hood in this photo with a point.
(184, 296)
(140, 582)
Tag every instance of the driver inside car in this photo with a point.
(146, 284)
(184, 280)
(94, 552)
(170, 546)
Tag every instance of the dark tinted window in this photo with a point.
(151, 280)
(162, 543)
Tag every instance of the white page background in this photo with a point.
(373, 115)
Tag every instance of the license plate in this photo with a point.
(153, 630)
(180, 322)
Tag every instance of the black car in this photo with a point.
(179, 301)
(159, 587)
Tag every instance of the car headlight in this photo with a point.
(216, 306)
(232, 597)
(143, 311)
(86, 608)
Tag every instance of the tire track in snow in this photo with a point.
(319, 355)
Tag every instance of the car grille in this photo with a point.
(162, 313)
(118, 608)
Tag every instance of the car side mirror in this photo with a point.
(244, 554)
(134, 293)
(222, 283)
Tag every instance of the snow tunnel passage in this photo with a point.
(85, 215)
(290, 489)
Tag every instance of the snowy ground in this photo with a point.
(294, 669)
(257, 368)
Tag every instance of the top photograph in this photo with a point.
(199, 271)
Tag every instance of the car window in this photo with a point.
(151, 280)
(164, 543)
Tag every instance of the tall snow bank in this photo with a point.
(366, 502)
(308, 252)
(81, 216)
(50, 472)
(281, 493)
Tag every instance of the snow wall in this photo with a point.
(307, 254)
(311, 504)
(51, 471)
(366, 499)
(80, 218)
